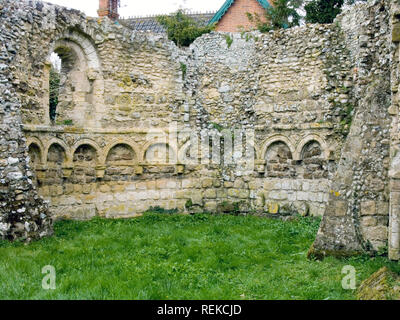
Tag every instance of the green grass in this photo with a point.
(161, 256)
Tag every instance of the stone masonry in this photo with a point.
(356, 217)
(141, 123)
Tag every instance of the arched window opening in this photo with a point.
(63, 81)
(74, 81)
(54, 84)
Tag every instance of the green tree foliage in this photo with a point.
(323, 11)
(182, 29)
(54, 86)
(282, 15)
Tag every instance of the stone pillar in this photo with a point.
(394, 222)
(394, 173)
(355, 219)
(23, 214)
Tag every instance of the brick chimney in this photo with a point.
(108, 8)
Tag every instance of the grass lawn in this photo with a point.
(160, 256)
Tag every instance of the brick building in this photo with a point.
(232, 17)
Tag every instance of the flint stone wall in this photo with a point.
(356, 217)
(313, 98)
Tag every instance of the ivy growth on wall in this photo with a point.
(323, 11)
(54, 86)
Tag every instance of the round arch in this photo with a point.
(79, 78)
(155, 142)
(38, 142)
(85, 44)
(104, 154)
(277, 138)
(302, 143)
(84, 142)
(61, 144)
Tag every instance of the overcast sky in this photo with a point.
(143, 7)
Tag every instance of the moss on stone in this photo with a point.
(319, 254)
(228, 207)
(382, 285)
(189, 204)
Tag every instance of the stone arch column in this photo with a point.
(311, 138)
(394, 213)
(394, 172)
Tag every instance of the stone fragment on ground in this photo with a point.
(382, 285)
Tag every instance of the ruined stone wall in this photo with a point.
(105, 152)
(356, 218)
(141, 123)
(394, 173)
(293, 93)
(23, 215)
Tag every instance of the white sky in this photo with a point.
(142, 7)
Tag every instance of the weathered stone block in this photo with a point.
(142, 185)
(273, 207)
(171, 185)
(234, 193)
(243, 194)
(104, 188)
(396, 32)
(395, 184)
(207, 183)
(368, 221)
(118, 188)
(239, 184)
(210, 206)
(210, 194)
(382, 285)
(382, 208)
(197, 198)
(340, 208)
(302, 196)
(271, 185)
(186, 183)
(375, 233)
(368, 208)
(161, 184)
(228, 184)
(254, 185)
